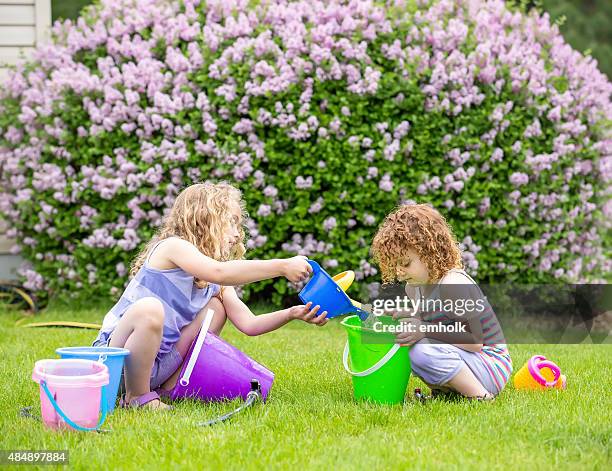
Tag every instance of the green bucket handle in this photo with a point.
(375, 367)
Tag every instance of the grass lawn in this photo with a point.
(311, 420)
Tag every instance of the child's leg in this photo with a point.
(140, 331)
(189, 333)
(443, 367)
(466, 384)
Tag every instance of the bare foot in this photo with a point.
(157, 404)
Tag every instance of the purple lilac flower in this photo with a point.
(264, 210)
(385, 183)
(519, 179)
(369, 220)
(329, 223)
(303, 183)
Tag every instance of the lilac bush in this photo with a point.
(327, 114)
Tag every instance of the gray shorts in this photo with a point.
(164, 366)
(438, 363)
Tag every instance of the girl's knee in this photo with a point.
(220, 315)
(216, 305)
(421, 354)
(149, 313)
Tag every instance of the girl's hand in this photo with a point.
(296, 269)
(411, 332)
(304, 313)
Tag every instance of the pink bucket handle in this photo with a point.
(62, 414)
(536, 363)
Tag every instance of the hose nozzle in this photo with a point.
(252, 396)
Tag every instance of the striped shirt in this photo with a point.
(494, 350)
(175, 288)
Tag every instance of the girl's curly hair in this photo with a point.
(200, 215)
(423, 229)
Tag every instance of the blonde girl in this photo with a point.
(190, 266)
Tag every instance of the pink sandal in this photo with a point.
(166, 394)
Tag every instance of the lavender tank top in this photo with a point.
(175, 288)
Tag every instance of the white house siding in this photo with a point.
(23, 25)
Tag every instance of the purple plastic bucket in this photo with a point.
(217, 371)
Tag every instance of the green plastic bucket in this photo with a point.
(380, 371)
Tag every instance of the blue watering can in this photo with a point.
(323, 290)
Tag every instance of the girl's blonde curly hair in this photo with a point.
(421, 228)
(201, 215)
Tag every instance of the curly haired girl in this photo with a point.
(415, 245)
(178, 276)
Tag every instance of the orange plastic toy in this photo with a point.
(539, 373)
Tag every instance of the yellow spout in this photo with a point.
(345, 280)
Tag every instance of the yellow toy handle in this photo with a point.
(345, 280)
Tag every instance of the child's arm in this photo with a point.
(235, 272)
(250, 324)
(453, 289)
(464, 340)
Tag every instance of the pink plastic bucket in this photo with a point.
(71, 392)
(216, 370)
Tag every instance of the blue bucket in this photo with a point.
(321, 289)
(112, 357)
